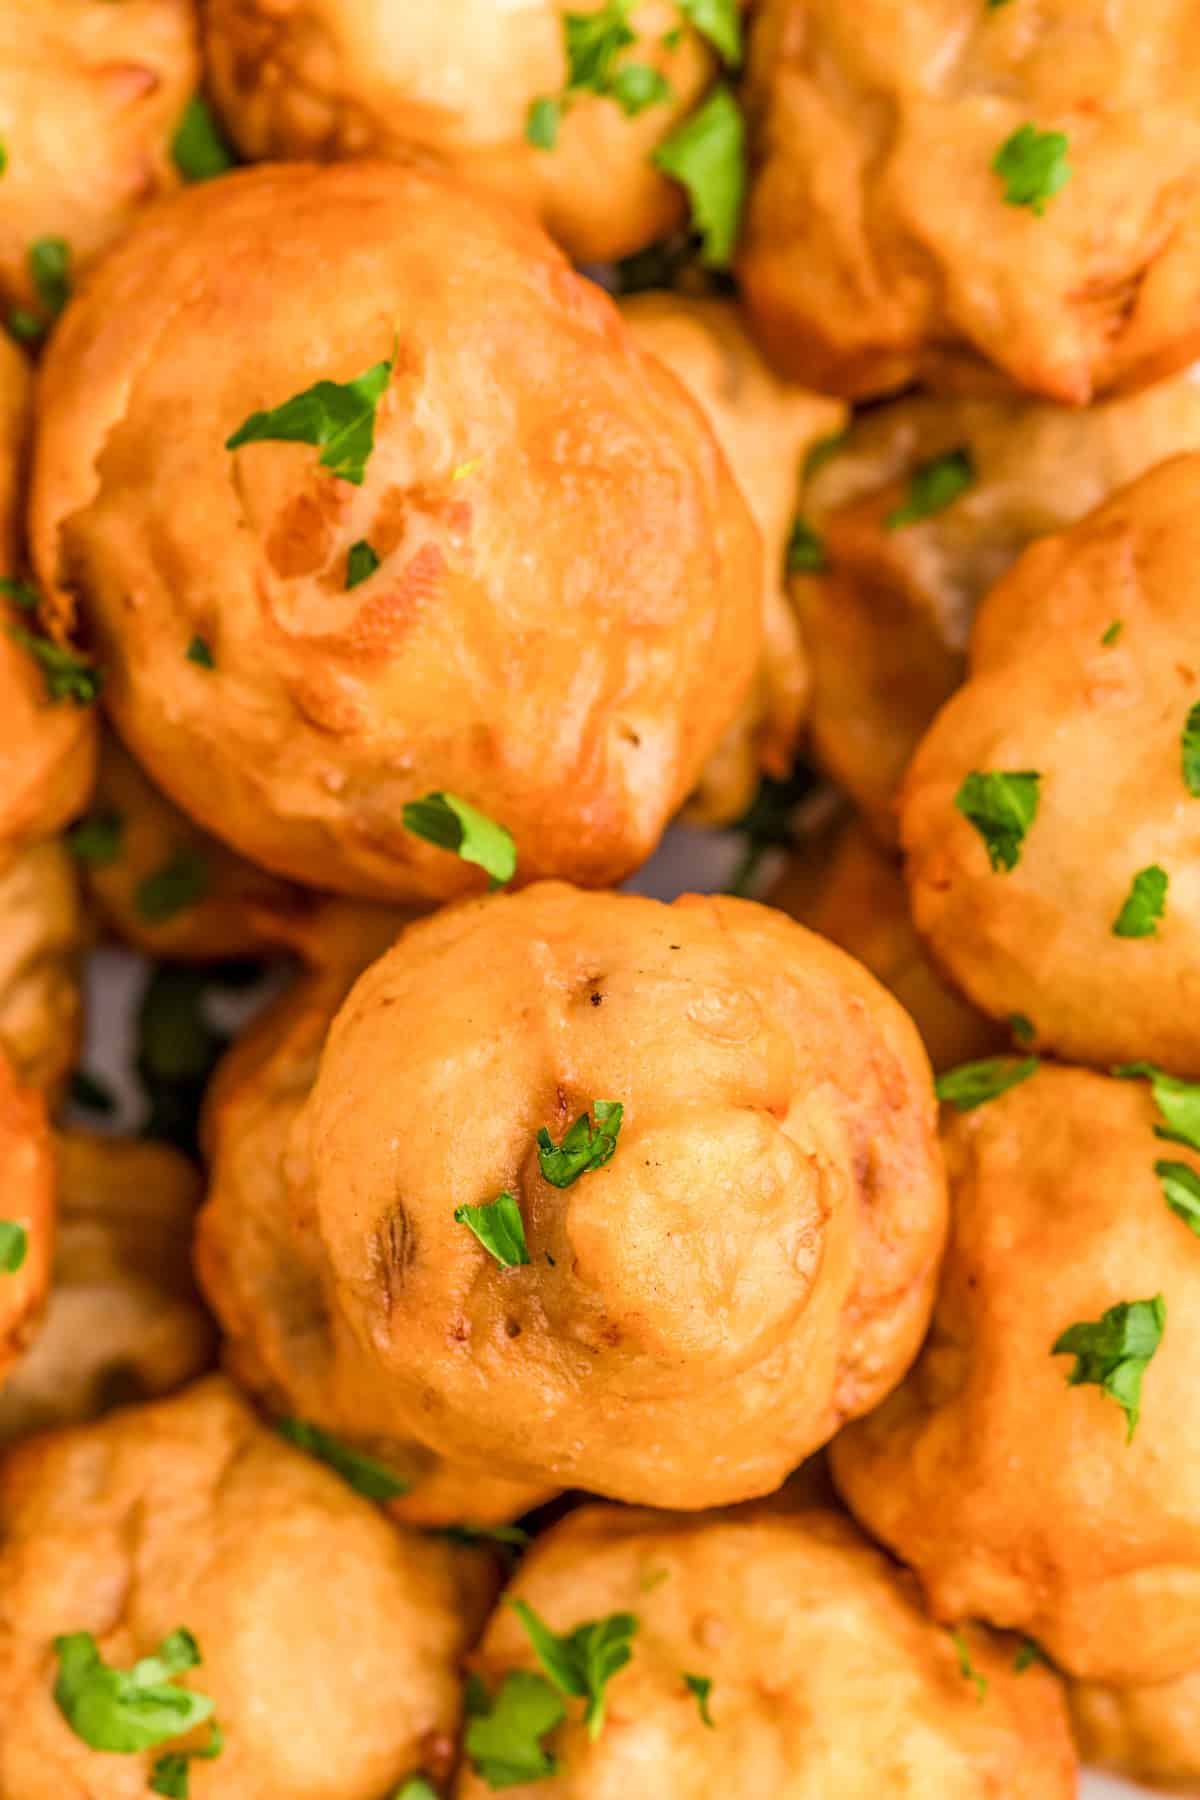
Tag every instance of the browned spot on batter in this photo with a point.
(301, 540)
(385, 619)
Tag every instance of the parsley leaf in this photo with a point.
(637, 86)
(14, 1246)
(1178, 1102)
(179, 883)
(932, 487)
(365, 1474)
(23, 594)
(199, 651)
(582, 1662)
(701, 1686)
(973, 1083)
(1028, 1654)
(338, 416)
(719, 21)
(707, 156)
(198, 148)
(592, 42)
(171, 1773)
(1144, 904)
(361, 563)
(805, 550)
(1033, 166)
(67, 675)
(504, 1730)
(1023, 1029)
(96, 839)
(1113, 1351)
(1001, 805)
(1181, 1191)
(416, 1788)
(452, 824)
(1112, 632)
(509, 1537)
(766, 825)
(499, 1227)
(1190, 747)
(50, 272)
(127, 1710)
(978, 1682)
(542, 122)
(583, 1148)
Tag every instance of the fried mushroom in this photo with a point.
(533, 584)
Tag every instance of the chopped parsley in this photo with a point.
(1112, 632)
(973, 1083)
(452, 824)
(1144, 904)
(96, 839)
(14, 1246)
(932, 487)
(361, 563)
(67, 674)
(1113, 1351)
(1178, 1101)
(499, 1227)
(1028, 1654)
(23, 594)
(1190, 747)
(1023, 1029)
(766, 825)
(128, 1710)
(509, 1537)
(1033, 166)
(199, 651)
(965, 1668)
(50, 271)
(416, 1788)
(720, 21)
(805, 550)
(701, 1687)
(365, 1474)
(581, 1663)
(594, 43)
(706, 154)
(505, 1730)
(584, 1147)
(198, 148)
(171, 1773)
(1181, 1191)
(1001, 805)
(170, 889)
(542, 122)
(337, 416)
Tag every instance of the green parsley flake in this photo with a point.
(707, 156)
(1033, 166)
(1002, 806)
(509, 1537)
(96, 839)
(361, 563)
(171, 1774)
(499, 1227)
(973, 1083)
(1144, 904)
(1028, 1654)
(67, 675)
(365, 1474)
(1191, 752)
(337, 416)
(720, 21)
(966, 1670)
(701, 1687)
(199, 651)
(637, 86)
(452, 824)
(50, 271)
(581, 1663)
(14, 1246)
(1112, 632)
(504, 1731)
(24, 596)
(1023, 1029)
(170, 889)
(1113, 1351)
(1178, 1101)
(416, 1788)
(932, 487)
(198, 148)
(25, 326)
(1181, 1191)
(805, 550)
(583, 1148)
(542, 122)
(128, 1710)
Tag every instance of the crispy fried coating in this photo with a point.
(566, 613)
(1085, 667)
(27, 1191)
(844, 886)
(827, 1678)
(43, 934)
(1150, 1733)
(880, 245)
(124, 1320)
(454, 82)
(886, 624)
(751, 1267)
(47, 752)
(1019, 1499)
(90, 98)
(258, 1261)
(330, 1638)
(765, 427)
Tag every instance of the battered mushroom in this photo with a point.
(765, 426)
(770, 1655)
(42, 936)
(951, 185)
(841, 884)
(1037, 1467)
(1151, 1734)
(26, 1215)
(678, 1298)
(458, 82)
(1051, 813)
(47, 750)
(90, 98)
(325, 1638)
(926, 503)
(124, 1320)
(539, 590)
